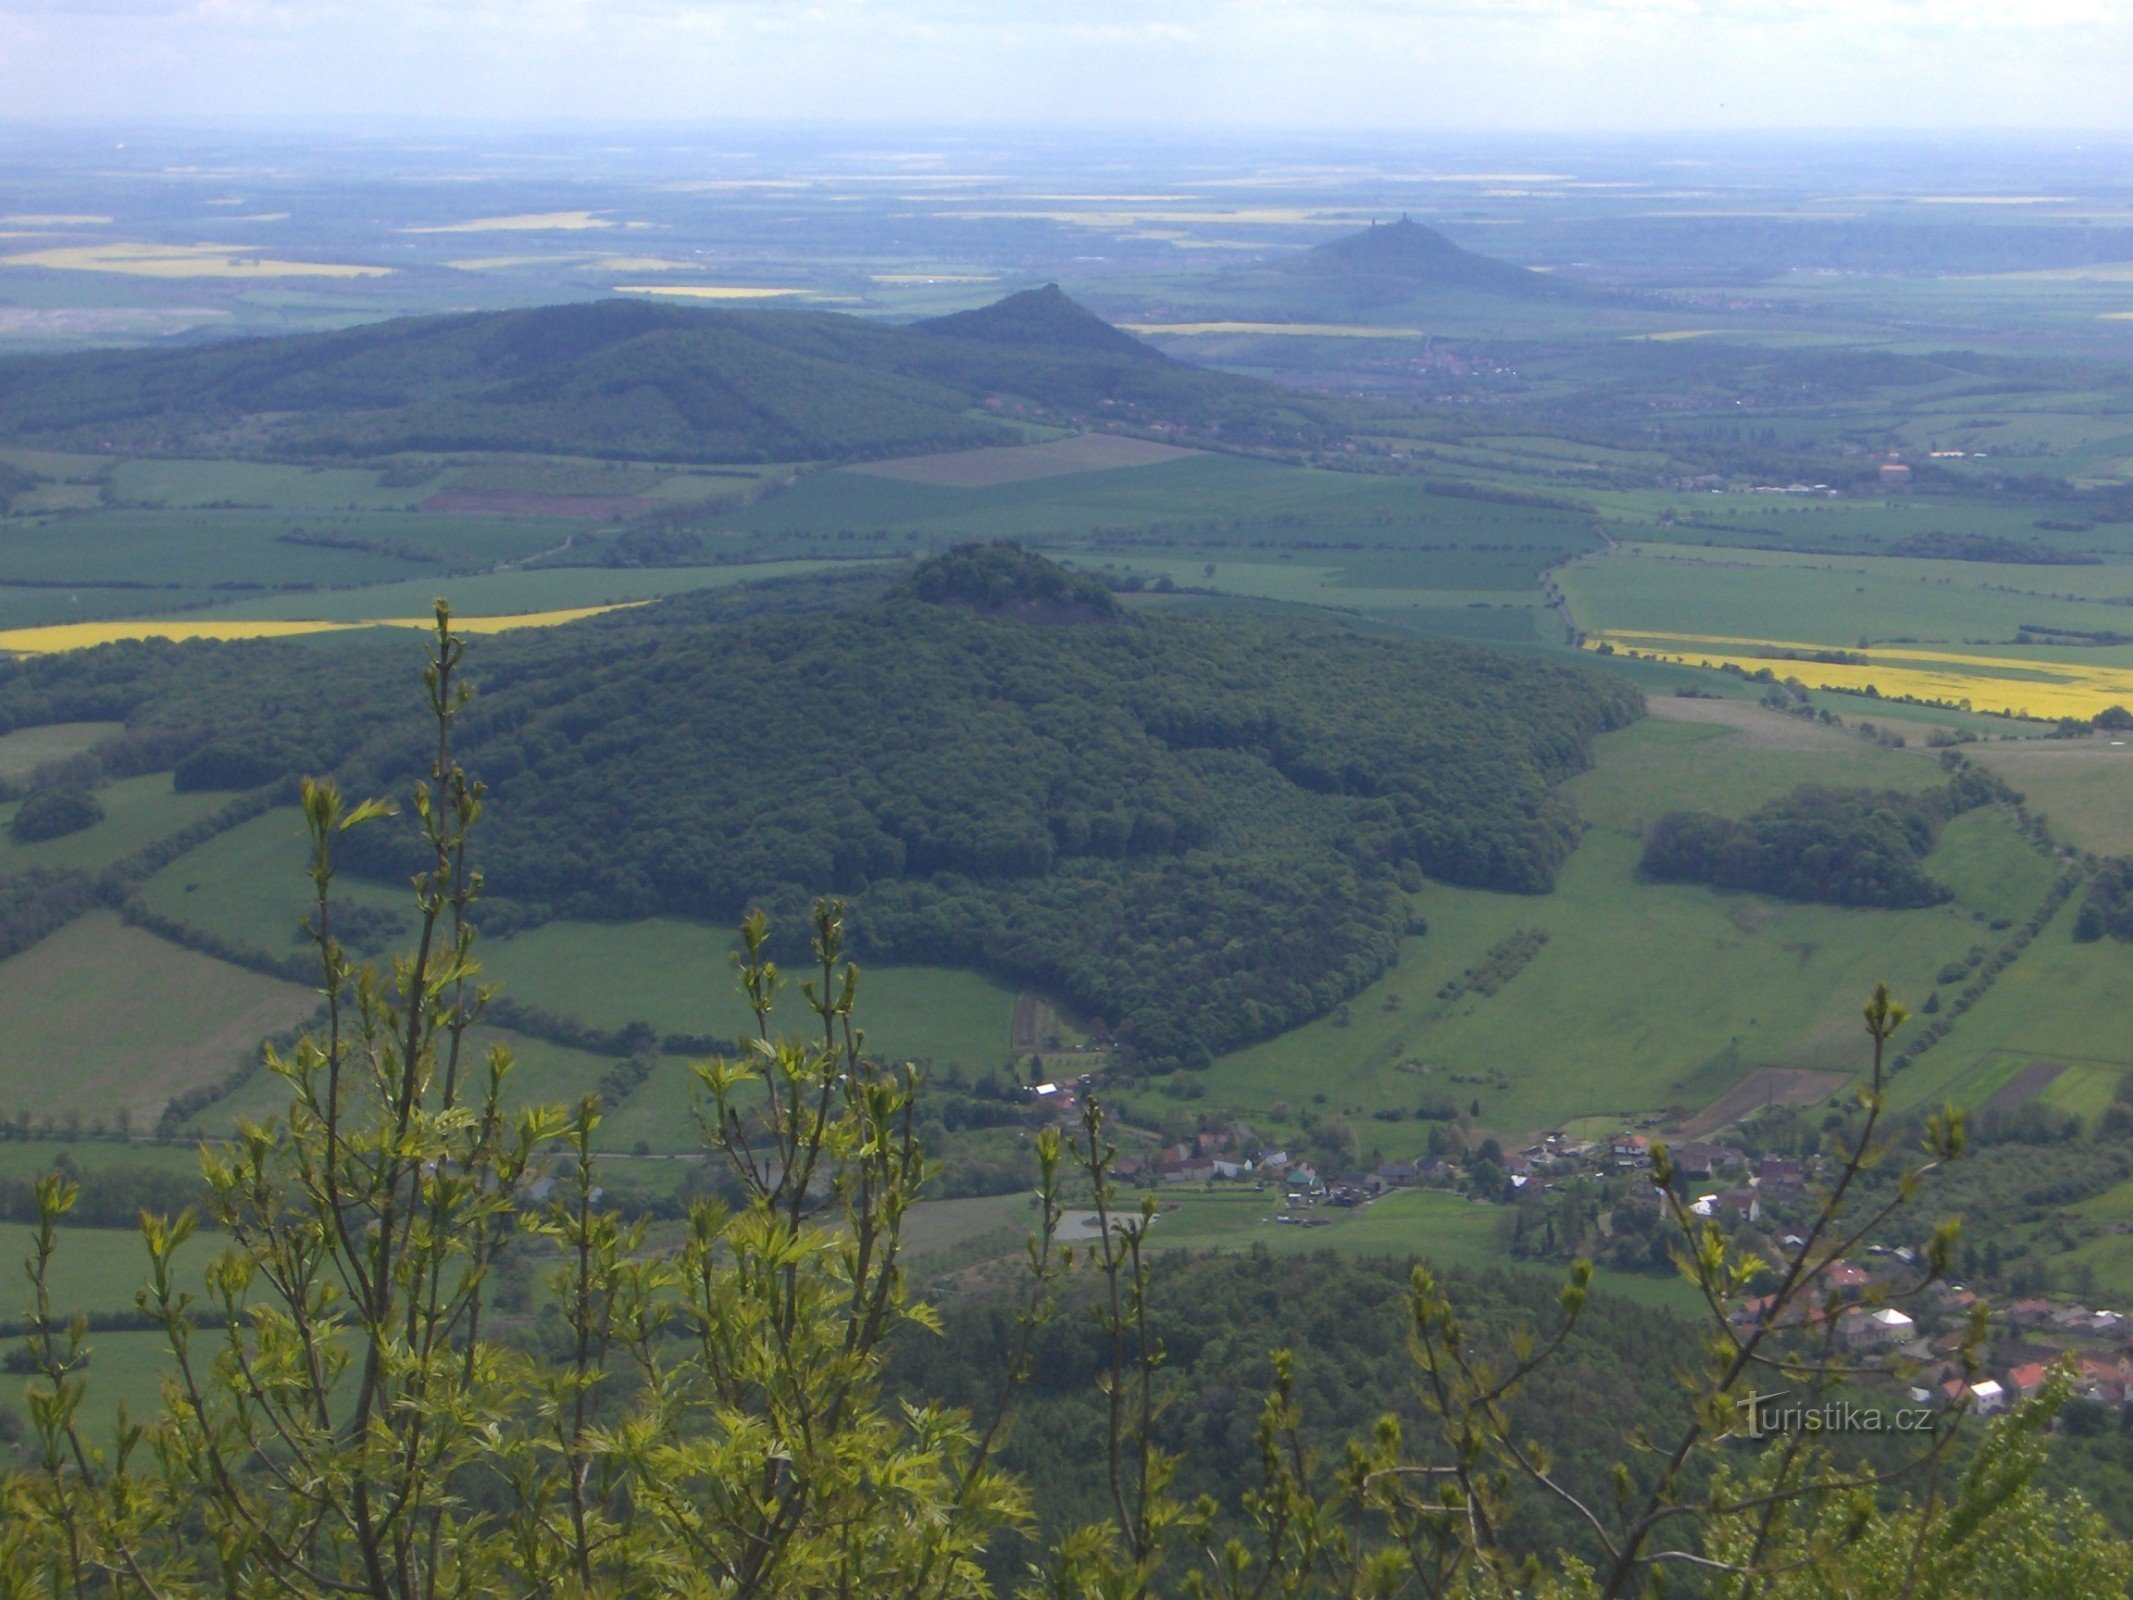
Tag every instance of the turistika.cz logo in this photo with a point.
(1767, 1419)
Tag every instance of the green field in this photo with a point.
(94, 1269)
(243, 549)
(27, 749)
(1605, 1021)
(1213, 502)
(2084, 786)
(248, 885)
(137, 812)
(106, 1021)
(542, 1073)
(1842, 601)
(98, 1270)
(678, 976)
(2061, 1001)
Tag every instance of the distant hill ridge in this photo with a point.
(1406, 254)
(626, 379)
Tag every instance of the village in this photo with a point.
(1880, 1310)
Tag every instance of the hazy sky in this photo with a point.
(1543, 64)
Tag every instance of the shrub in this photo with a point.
(55, 813)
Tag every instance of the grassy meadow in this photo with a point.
(1601, 1022)
(137, 812)
(26, 749)
(678, 975)
(109, 1022)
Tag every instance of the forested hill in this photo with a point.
(623, 378)
(1038, 319)
(1198, 832)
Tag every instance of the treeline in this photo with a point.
(39, 902)
(1846, 847)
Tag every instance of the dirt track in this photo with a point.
(1772, 1086)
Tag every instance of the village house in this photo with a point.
(1875, 1330)
(1984, 1397)
(2025, 1380)
(1630, 1150)
(1779, 1175)
(1697, 1159)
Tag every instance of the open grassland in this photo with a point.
(1837, 601)
(1602, 1020)
(248, 885)
(94, 1269)
(1824, 529)
(137, 812)
(1223, 501)
(252, 548)
(678, 976)
(983, 468)
(32, 607)
(542, 1074)
(31, 1158)
(126, 1372)
(108, 1021)
(523, 222)
(27, 749)
(2085, 786)
(160, 483)
(99, 1270)
(2060, 1001)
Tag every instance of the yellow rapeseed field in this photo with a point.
(2021, 685)
(184, 261)
(85, 635)
(524, 222)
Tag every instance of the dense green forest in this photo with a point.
(1846, 847)
(1218, 1318)
(623, 378)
